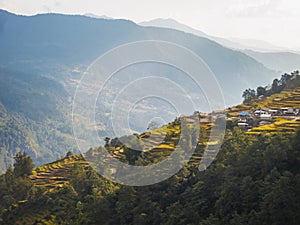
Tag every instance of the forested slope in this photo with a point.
(252, 181)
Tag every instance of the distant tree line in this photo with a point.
(287, 81)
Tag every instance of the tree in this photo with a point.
(285, 78)
(23, 165)
(275, 86)
(107, 139)
(260, 91)
(248, 95)
(133, 150)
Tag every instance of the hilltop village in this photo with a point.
(273, 109)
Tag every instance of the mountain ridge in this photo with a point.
(261, 51)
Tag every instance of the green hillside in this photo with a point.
(253, 180)
(57, 174)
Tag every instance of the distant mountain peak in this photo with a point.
(163, 20)
(98, 17)
(233, 43)
(173, 24)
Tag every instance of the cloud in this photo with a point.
(47, 9)
(3, 4)
(256, 8)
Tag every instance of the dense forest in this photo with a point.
(252, 181)
(34, 117)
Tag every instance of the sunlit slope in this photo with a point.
(158, 144)
(57, 174)
(280, 125)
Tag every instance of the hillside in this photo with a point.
(57, 174)
(159, 143)
(34, 115)
(155, 149)
(249, 181)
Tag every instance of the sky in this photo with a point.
(274, 21)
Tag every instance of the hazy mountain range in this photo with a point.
(235, 43)
(64, 39)
(274, 57)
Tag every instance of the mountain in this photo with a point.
(234, 43)
(42, 60)
(273, 57)
(65, 39)
(173, 24)
(279, 61)
(97, 17)
(258, 45)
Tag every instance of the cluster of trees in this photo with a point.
(286, 81)
(252, 181)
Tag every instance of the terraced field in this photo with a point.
(56, 174)
(161, 142)
(157, 144)
(281, 125)
(284, 99)
(235, 111)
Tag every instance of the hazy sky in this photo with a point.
(275, 21)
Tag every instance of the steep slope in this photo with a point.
(157, 145)
(35, 118)
(57, 174)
